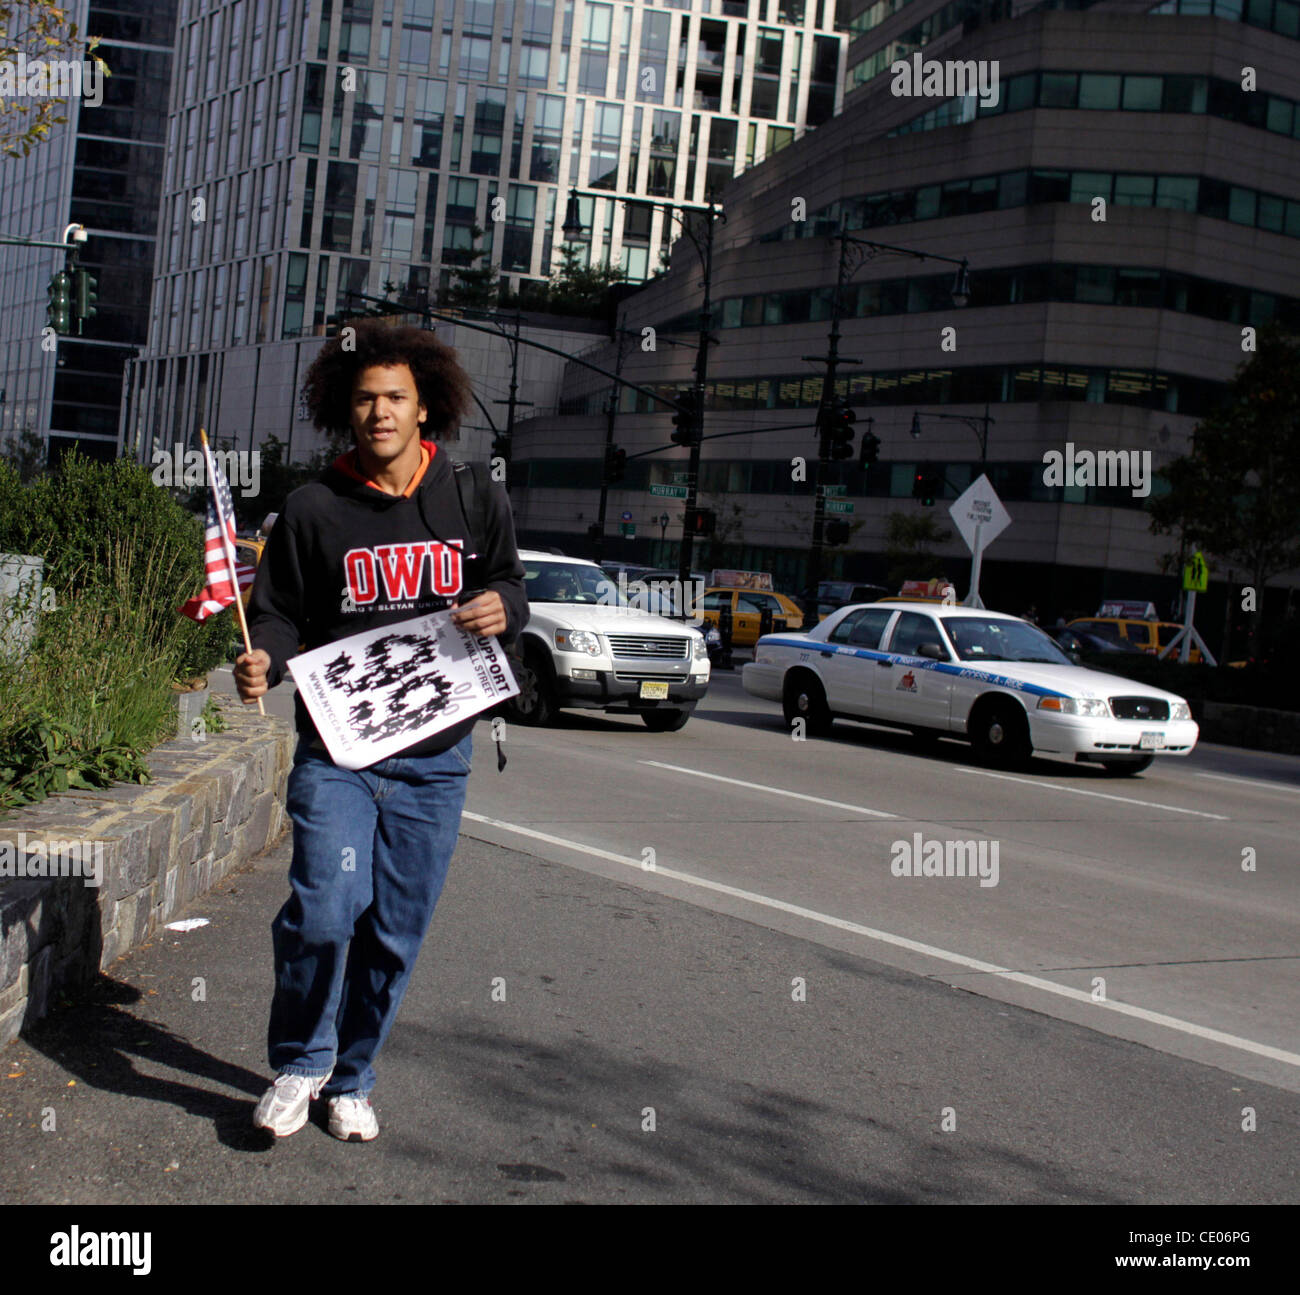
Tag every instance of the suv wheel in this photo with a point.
(665, 721)
(535, 703)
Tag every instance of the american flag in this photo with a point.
(219, 592)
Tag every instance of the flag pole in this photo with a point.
(229, 550)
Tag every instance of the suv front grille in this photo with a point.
(648, 647)
(1139, 708)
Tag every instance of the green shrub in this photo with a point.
(93, 692)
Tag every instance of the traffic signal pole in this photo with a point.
(832, 359)
(701, 377)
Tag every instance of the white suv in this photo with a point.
(584, 646)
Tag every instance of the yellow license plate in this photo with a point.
(654, 692)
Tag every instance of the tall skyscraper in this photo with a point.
(317, 150)
(102, 169)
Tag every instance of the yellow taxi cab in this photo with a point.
(248, 553)
(747, 607)
(924, 591)
(1148, 634)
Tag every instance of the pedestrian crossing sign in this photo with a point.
(1196, 574)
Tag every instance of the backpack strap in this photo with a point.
(475, 510)
(469, 482)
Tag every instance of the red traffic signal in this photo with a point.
(701, 521)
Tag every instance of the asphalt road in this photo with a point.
(799, 1023)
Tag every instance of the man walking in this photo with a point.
(391, 531)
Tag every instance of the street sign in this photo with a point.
(627, 517)
(835, 490)
(669, 492)
(979, 506)
(980, 518)
(1196, 574)
(628, 529)
(838, 506)
(681, 478)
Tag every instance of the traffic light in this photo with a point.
(594, 531)
(686, 420)
(615, 463)
(59, 311)
(501, 448)
(870, 451)
(926, 484)
(701, 521)
(84, 295)
(837, 532)
(838, 419)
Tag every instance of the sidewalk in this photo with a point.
(617, 1000)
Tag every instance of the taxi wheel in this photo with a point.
(805, 699)
(665, 721)
(534, 705)
(1000, 734)
(1127, 768)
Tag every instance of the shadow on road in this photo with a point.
(100, 1041)
(580, 1108)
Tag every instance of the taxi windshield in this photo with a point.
(570, 582)
(977, 638)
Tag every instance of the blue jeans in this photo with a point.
(370, 855)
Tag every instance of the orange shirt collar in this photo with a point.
(350, 465)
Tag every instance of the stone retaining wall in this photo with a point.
(211, 806)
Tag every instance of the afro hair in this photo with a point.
(443, 386)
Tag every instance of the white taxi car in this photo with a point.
(986, 676)
(585, 646)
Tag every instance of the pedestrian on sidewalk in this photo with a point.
(392, 530)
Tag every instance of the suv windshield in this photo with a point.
(569, 582)
(980, 639)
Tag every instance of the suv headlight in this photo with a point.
(699, 648)
(1096, 707)
(1180, 710)
(578, 641)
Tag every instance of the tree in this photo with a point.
(27, 453)
(909, 543)
(27, 111)
(477, 287)
(578, 289)
(1236, 495)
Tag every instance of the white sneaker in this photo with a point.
(283, 1108)
(352, 1118)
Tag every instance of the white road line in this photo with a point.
(1285, 788)
(1100, 795)
(914, 946)
(775, 791)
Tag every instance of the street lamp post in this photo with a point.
(572, 228)
(980, 426)
(854, 253)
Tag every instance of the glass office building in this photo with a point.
(335, 147)
(102, 169)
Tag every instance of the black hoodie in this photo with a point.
(343, 557)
